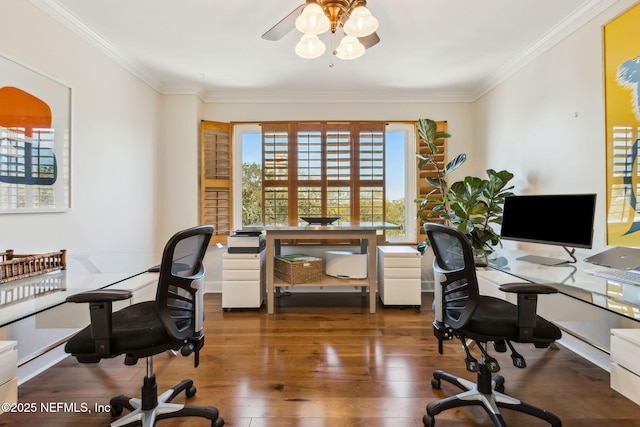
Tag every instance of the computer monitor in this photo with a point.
(560, 219)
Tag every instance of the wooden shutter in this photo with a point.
(276, 174)
(339, 161)
(310, 187)
(369, 174)
(216, 172)
(429, 171)
(323, 168)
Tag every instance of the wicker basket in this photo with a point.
(298, 268)
(14, 266)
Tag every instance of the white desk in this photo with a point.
(364, 232)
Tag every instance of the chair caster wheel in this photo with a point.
(435, 383)
(428, 420)
(191, 391)
(499, 383)
(116, 411)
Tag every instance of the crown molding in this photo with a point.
(183, 89)
(241, 97)
(69, 21)
(564, 29)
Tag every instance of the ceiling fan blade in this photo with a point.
(370, 40)
(283, 27)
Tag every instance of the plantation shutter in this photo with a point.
(276, 174)
(370, 173)
(216, 178)
(423, 186)
(339, 160)
(323, 169)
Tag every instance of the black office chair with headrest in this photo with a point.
(172, 322)
(461, 312)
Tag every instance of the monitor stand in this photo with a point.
(543, 260)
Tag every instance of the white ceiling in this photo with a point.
(429, 49)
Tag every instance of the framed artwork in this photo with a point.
(35, 127)
(622, 110)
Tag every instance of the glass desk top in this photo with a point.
(26, 297)
(572, 280)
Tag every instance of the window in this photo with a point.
(248, 175)
(323, 169)
(357, 171)
(400, 181)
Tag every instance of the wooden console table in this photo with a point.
(364, 232)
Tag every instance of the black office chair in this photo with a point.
(461, 312)
(172, 322)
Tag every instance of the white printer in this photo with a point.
(246, 242)
(346, 265)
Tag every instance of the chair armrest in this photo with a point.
(100, 312)
(527, 305)
(528, 288)
(101, 295)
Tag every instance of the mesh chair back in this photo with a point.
(180, 270)
(454, 266)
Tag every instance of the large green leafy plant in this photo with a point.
(472, 205)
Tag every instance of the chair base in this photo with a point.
(151, 408)
(485, 393)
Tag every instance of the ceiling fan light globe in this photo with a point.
(312, 20)
(360, 23)
(310, 46)
(349, 48)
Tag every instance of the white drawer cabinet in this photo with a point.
(243, 280)
(8, 372)
(399, 272)
(625, 362)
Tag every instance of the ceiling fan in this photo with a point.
(318, 16)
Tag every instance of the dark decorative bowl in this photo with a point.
(319, 220)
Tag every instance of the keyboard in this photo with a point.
(616, 275)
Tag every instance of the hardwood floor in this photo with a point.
(323, 360)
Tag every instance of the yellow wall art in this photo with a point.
(622, 107)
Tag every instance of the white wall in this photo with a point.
(546, 123)
(113, 142)
(178, 165)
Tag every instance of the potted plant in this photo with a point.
(472, 205)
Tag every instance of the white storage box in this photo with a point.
(346, 265)
(399, 272)
(8, 372)
(625, 362)
(243, 280)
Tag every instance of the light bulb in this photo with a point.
(349, 48)
(310, 46)
(360, 23)
(313, 20)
